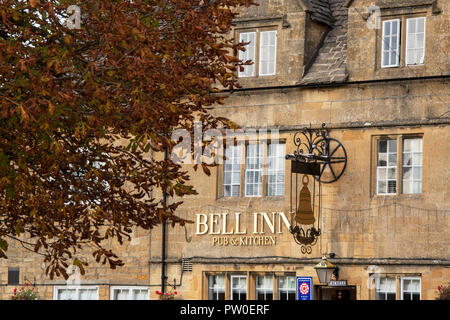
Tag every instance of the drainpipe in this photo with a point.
(163, 240)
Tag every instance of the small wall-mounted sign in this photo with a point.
(304, 288)
(337, 283)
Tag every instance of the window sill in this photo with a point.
(403, 68)
(410, 196)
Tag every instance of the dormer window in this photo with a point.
(262, 50)
(413, 36)
(391, 43)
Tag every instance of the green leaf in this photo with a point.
(3, 245)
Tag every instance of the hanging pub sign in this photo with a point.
(324, 158)
(304, 288)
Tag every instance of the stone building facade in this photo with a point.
(383, 91)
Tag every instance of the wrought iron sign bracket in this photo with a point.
(324, 158)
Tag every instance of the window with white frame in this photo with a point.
(387, 166)
(262, 44)
(267, 53)
(275, 169)
(391, 43)
(248, 54)
(286, 288)
(238, 287)
(410, 31)
(253, 170)
(385, 289)
(129, 293)
(415, 41)
(412, 165)
(216, 287)
(79, 293)
(399, 160)
(264, 287)
(264, 165)
(232, 172)
(411, 288)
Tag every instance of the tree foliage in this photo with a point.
(133, 72)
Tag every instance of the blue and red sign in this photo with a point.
(304, 287)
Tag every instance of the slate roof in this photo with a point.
(320, 11)
(330, 62)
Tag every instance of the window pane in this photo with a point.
(248, 54)
(412, 165)
(88, 294)
(382, 160)
(417, 159)
(121, 294)
(275, 178)
(67, 294)
(286, 288)
(417, 187)
(387, 167)
(394, 57)
(382, 173)
(253, 170)
(392, 186)
(392, 144)
(232, 172)
(385, 289)
(140, 294)
(392, 173)
(421, 25)
(382, 146)
(407, 159)
(239, 287)
(420, 40)
(415, 41)
(417, 173)
(387, 28)
(394, 44)
(394, 27)
(216, 287)
(407, 173)
(411, 25)
(267, 52)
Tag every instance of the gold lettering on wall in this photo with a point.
(265, 227)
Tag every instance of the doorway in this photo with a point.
(336, 293)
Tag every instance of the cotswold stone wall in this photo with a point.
(402, 234)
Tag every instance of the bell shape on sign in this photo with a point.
(305, 213)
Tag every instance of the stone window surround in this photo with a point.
(255, 24)
(77, 288)
(256, 63)
(398, 283)
(220, 173)
(374, 160)
(403, 13)
(113, 288)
